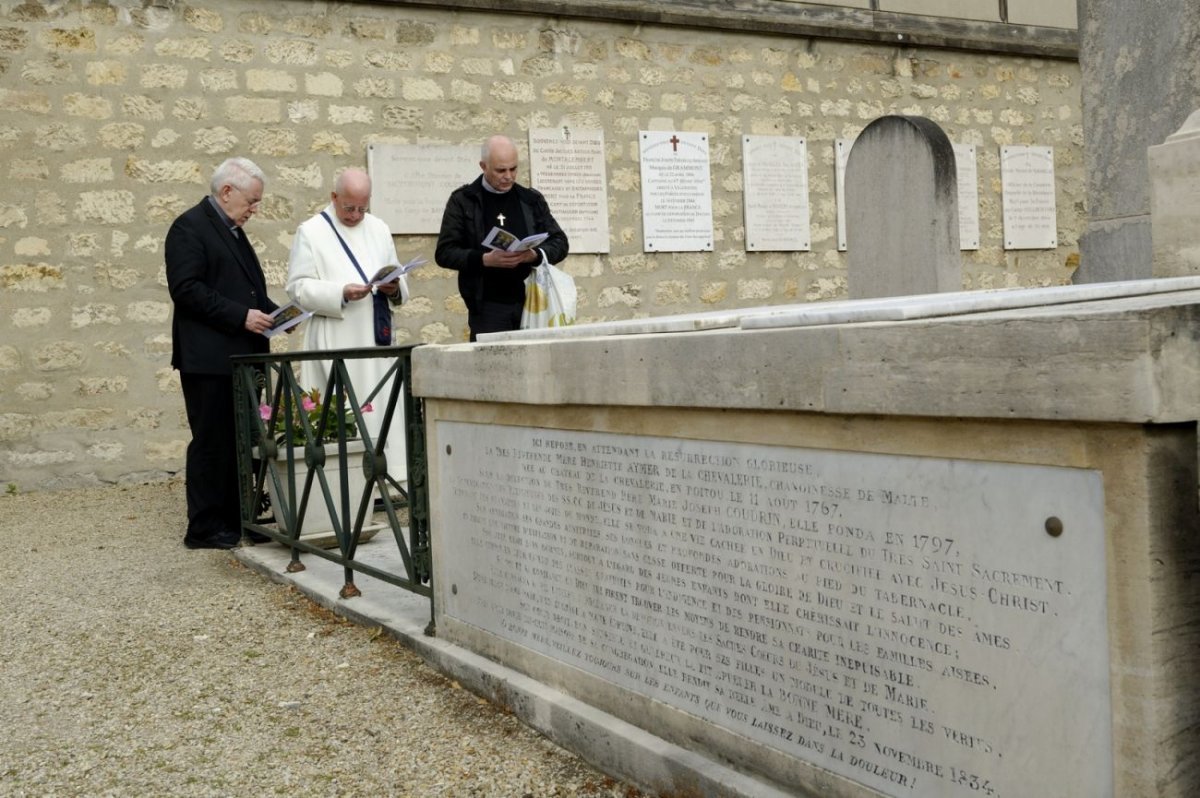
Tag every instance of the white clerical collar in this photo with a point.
(488, 187)
(332, 211)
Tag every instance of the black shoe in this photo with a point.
(223, 540)
(257, 537)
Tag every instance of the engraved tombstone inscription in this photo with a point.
(968, 196)
(567, 166)
(923, 626)
(410, 183)
(1027, 180)
(676, 192)
(841, 154)
(775, 193)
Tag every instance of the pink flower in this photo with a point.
(264, 412)
(367, 408)
(308, 404)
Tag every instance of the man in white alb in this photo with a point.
(334, 255)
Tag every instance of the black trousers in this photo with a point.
(212, 482)
(495, 317)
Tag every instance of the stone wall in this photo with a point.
(116, 112)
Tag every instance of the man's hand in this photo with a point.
(499, 259)
(390, 289)
(354, 291)
(257, 321)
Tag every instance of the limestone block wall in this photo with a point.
(115, 113)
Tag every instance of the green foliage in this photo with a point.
(308, 416)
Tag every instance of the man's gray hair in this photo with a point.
(236, 172)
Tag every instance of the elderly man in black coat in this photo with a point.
(221, 309)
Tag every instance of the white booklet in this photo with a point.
(389, 273)
(285, 318)
(502, 239)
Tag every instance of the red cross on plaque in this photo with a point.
(674, 143)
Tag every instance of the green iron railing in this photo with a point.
(293, 457)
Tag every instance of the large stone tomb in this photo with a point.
(949, 556)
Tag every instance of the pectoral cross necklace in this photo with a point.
(500, 217)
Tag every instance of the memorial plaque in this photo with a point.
(841, 154)
(567, 166)
(1027, 179)
(676, 192)
(923, 626)
(410, 183)
(775, 193)
(968, 195)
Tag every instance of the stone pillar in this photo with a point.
(1175, 201)
(1140, 81)
(902, 210)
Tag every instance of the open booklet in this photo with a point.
(502, 239)
(389, 273)
(285, 318)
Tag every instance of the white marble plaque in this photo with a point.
(676, 192)
(567, 166)
(968, 195)
(775, 193)
(841, 154)
(410, 183)
(1027, 180)
(905, 622)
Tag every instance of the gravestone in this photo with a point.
(841, 154)
(410, 182)
(902, 210)
(676, 192)
(775, 193)
(967, 174)
(1175, 201)
(1030, 216)
(923, 547)
(567, 166)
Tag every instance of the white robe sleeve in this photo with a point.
(306, 284)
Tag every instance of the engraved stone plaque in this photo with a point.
(923, 626)
(775, 193)
(567, 166)
(968, 195)
(410, 183)
(1027, 178)
(841, 154)
(676, 192)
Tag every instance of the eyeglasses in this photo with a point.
(254, 203)
(355, 208)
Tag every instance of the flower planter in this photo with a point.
(317, 522)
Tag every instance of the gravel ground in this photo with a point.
(130, 665)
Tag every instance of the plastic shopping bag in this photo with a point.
(550, 298)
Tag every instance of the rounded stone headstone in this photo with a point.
(902, 210)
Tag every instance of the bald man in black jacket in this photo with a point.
(492, 282)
